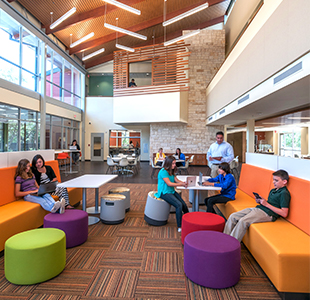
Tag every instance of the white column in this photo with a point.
(250, 135)
(225, 132)
(275, 146)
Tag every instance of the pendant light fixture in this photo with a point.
(124, 6)
(62, 18)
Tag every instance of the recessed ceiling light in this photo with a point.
(299, 118)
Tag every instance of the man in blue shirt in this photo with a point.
(132, 83)
(219, 152)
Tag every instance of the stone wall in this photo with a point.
(207, 55)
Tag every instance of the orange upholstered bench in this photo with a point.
(17, 215)
(282, 248)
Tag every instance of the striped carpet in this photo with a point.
(135, 261)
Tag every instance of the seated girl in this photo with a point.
(45, 174)
(160, 157)
(181, 156)
(226, 181)
(167, 181)
(26, 186)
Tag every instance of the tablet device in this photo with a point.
(47, 188)
(191, 181)
(257, 195)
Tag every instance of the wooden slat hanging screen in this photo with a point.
(169, 69)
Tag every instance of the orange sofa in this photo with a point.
(17, 215)
(282, 248)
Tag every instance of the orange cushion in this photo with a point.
(255, 179)
(299, 212)
(7, 185)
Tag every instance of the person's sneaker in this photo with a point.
(179, 229)
(62, 205)
(55, 207)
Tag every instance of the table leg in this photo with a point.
(95, 209)
(192, 198)
(91, 220)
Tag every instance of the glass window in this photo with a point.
(48, 62)
(67, 77)
(56, 92)
(30, 45)
(76, 82)
(57, 69)
(67, 97)
(12, 133)
(28, 115)
(8, 71)
(8, 111)
(10, 37)
(28, 136)
(29, 80)
(76, 101)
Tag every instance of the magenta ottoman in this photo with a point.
(73, 222)
(212, 259)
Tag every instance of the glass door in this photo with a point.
(97, 146)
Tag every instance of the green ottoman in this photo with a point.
(34, 256)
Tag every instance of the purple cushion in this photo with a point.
(212, 259)
(73, 222)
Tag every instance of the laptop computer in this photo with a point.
(47, 188)
(191, 181)
(200, 178)
(72, 147)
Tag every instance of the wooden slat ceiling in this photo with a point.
(90, 17)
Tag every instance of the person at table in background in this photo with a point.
(220, 151)
(26, 186)
(132, 83)
(160, 157)
(75, 154)
(167, 181)
(181, 156)
(45, 174)
(266, 211)
(227, 182)
(131, 146)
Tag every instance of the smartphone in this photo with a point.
(257, 195)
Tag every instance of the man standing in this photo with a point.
(219, 152)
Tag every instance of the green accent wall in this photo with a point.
(101, 85)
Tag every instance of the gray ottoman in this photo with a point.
(123, 191)
(156, 210)
(112, 209)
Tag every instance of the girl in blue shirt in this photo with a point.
(167, 181)
(180, 156)
(227, 182)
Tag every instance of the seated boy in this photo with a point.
(267, 211)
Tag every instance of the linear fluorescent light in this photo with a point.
(124, 6)
(182, 37)
(93, 54)
(64, 17)
(299, 118)
(124, 48)
(83, 39)
(186, 14)
(137, 35)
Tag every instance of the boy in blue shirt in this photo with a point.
(227, 182)
(267, 210)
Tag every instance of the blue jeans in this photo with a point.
(46, 201)
(179, 204)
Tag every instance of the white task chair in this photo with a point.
(123, 164)
(184, 168)
(154, 169)
(111, 165)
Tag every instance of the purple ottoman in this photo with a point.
(212, 259)
(73, 222)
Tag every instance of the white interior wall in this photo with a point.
(99, 119)
(278, 35)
